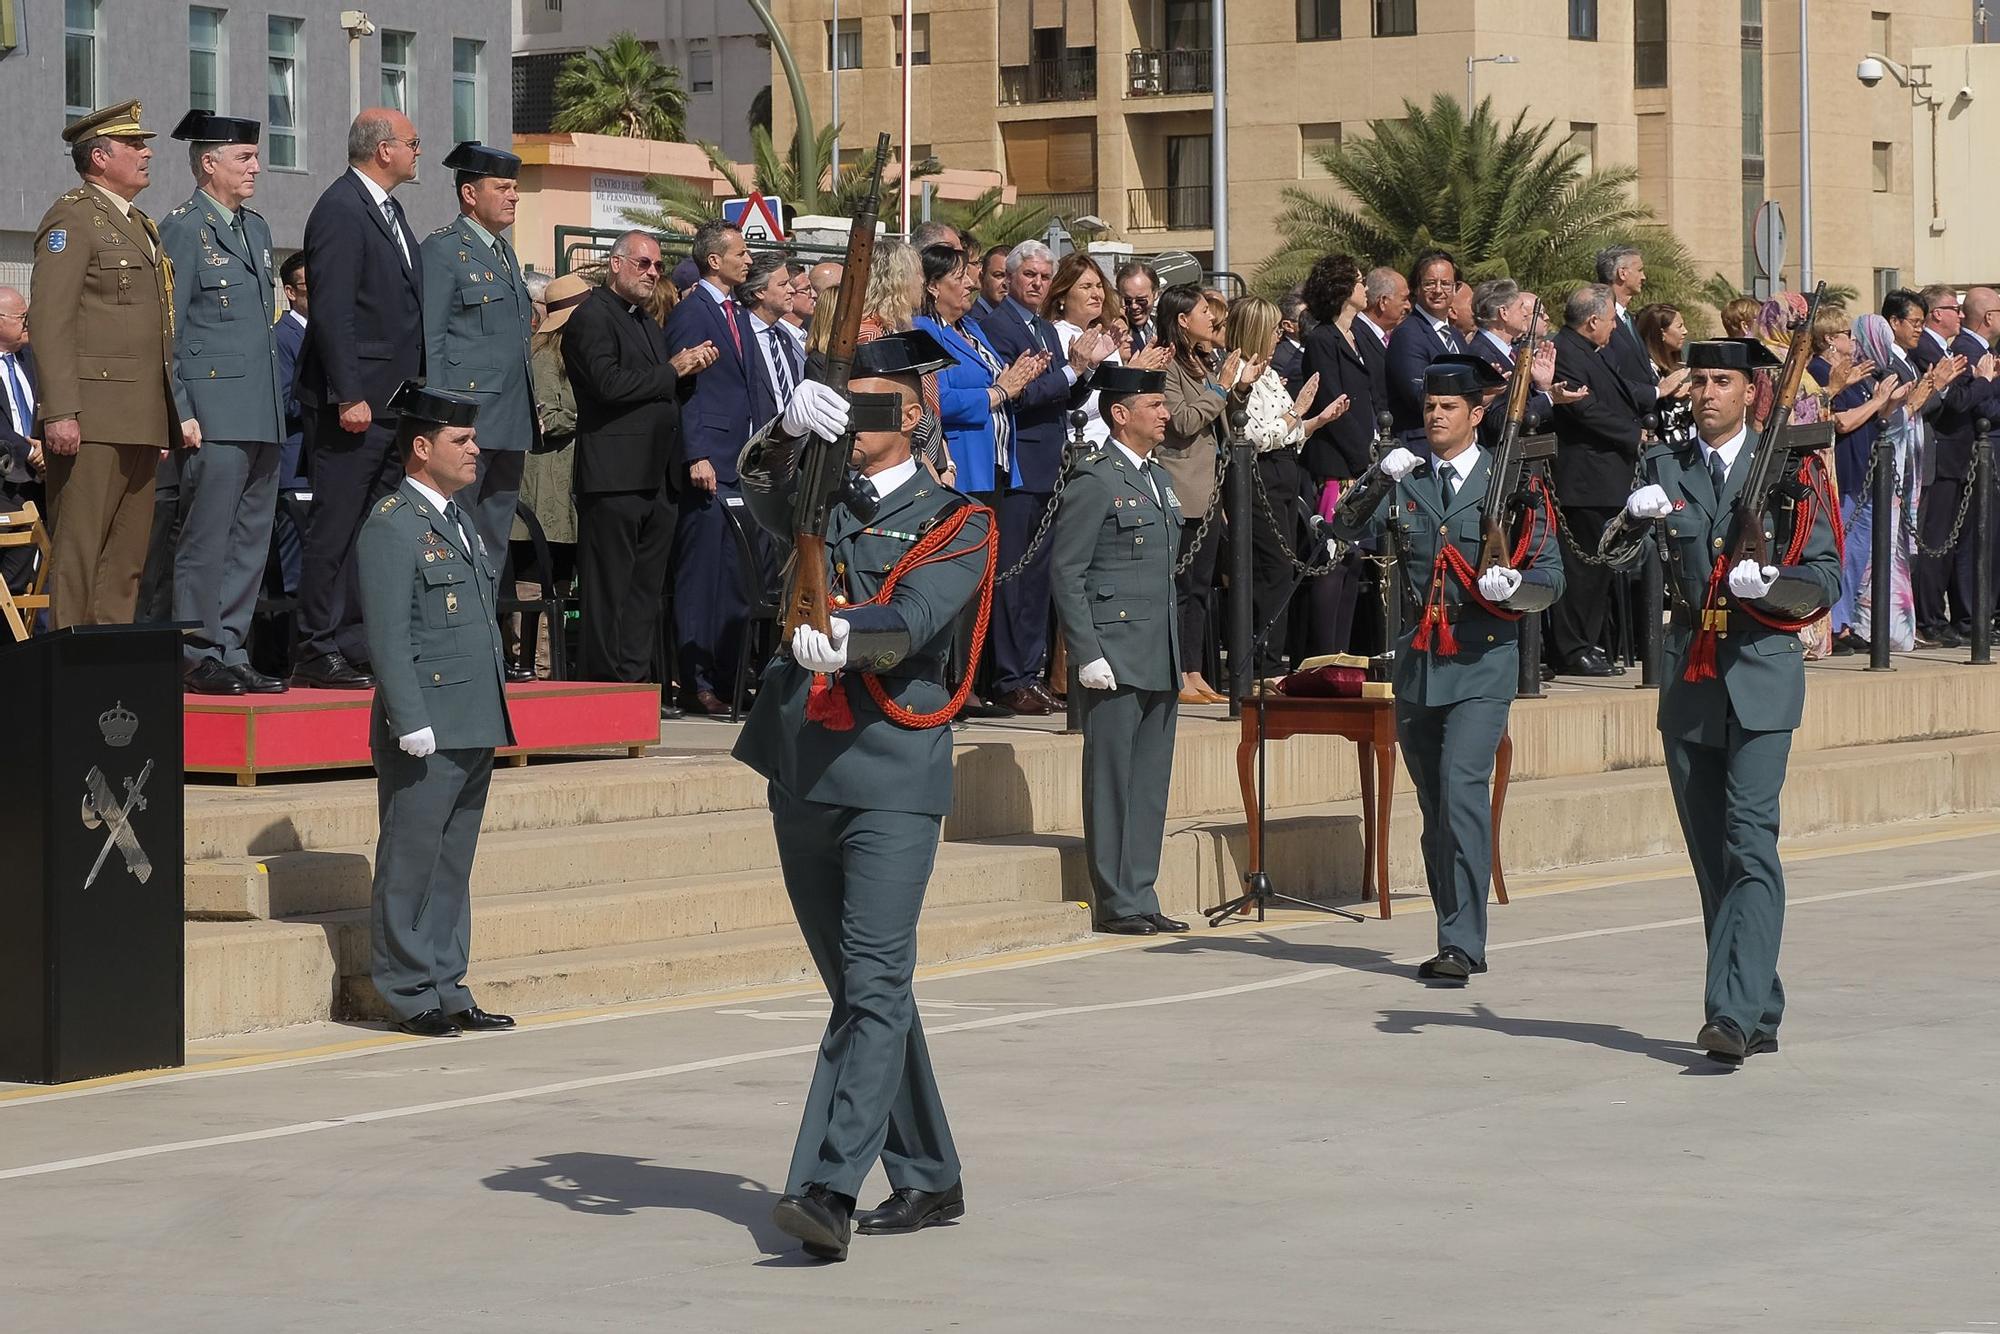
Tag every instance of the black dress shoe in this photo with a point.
(1171, 925)
(1451, 965)
(1948, 637)
(429, 1024)
(1025, 700)
(910, 1210)
(256, 682)
(1591, 662)
(1761, 1042)
(1723, 1041)
(819, 1218)
(669, 712)
(1127, 926)
(210, 677)
(516, 675)
(330, 671)
(710, 703)
(479, 1021)
(977, 707)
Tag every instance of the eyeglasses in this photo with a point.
(414, 144)
(641, 263)
(8, 315)
(1942, 310)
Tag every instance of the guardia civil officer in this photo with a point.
(852, 731)
(229, 397)
(1117, 533)
(1735, 685)
(476, 325)
(427, 607)
(1458, 664)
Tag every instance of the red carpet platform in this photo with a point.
(255, 736)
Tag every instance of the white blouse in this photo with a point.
(1094, 428)
(1270, 425)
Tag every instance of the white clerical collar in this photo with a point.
(1728, 449)
(891, 479)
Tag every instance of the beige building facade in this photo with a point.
(1102, 107)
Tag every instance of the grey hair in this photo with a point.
(623, 245)
(1379, 284)
(934, 232)
(1586, 303)
(1611, 259)
(370, 130)
(538, 286)
(1491, 297)
(762, 266)
(1025, 252)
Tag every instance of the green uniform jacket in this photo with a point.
(476, 316)
(879, 764)
(226, 370)
(1760, 672)
(1488, 662)
(1112, 570)
(433, 635)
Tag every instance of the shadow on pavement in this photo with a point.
(1611, 1037)
(612, 1185)
(1274, 946)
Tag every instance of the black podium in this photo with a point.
(91, 909)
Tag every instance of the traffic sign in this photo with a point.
(1767, 238)
(758, 216)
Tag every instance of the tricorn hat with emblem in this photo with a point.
(119, 122)
(911, 352)
(1731, 354)
(1461, 374)
(205, 127)
(1119, 381)
(472, 158)
(416, 400)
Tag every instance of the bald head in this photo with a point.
(382, 145)
(1982, 313)
(13, 320)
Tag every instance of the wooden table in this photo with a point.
(1371, 725)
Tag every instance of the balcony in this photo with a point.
(1167, 73)
(1069, 205)
(1070, 78)
(1174, 208)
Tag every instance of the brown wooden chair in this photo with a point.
(24, 528)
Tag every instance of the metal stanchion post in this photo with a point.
(1529, 683)
(1236, 496)
(1982, 556)
(1881, 557)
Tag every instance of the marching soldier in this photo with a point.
(427, 604)
(102, 316)
(476, 327)
(1735, 683)
(1116, 536)
(860, 769)
(1457, 667)
(229, 397)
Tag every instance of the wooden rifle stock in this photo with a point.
(1767, 463)
(1503, 483)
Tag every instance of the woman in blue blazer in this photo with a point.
(975, 397)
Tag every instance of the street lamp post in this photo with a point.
(1218, 138)
(1471, 71)
(1805, 158)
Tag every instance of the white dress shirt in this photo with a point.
(1462, 463)
(443, 508)
(380, 197)
(1728, 449)
(1149, 475)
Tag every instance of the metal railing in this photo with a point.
(1070, 78)
(1150, 73)
(1067, 205)
(1173, 208)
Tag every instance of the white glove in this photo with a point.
(1747, 580)
(818, 652)
(1499, 583)
(1096, 676)
(1398, 463)
(815, 410)
(1649, 502)
(419, 743)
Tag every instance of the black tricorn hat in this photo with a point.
(1731, 354)
(205, 127)
(911, 352)
(476, 159)
(1459, 373)
(416, 400)
(1118, 381)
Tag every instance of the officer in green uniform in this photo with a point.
(477, 316)
(229, 395)
(1112, 577)
(852, 731)
(1458, 664)
(440, 710)
(1735, 684)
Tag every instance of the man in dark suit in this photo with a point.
(21, 464)
(1386, 304)
(1421, 338)
(629, 461)
(1597, 449)
(716, 420)
(287, 541)
(1623, 269)
(1138, 289)
(1944, 583)
(992, 282)
(1504, 314)
(1289, 360)
(1021, 606)
(365, 339)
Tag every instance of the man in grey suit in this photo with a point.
(477, 318)
(229, 393)
(427, 608)
(1116, 537)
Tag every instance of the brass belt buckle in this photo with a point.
(1716, 620)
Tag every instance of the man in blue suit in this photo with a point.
(1021, 606)
(717, 417)
(21, 463)
(1944, 583)
(291, 332)
(1419, 340)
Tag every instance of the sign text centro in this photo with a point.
(611, 195)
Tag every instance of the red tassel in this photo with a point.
(1447, 639)
(1421, 640)
(1701, 658)
(826, 704)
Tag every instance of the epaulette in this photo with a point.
(75, 196)
(388, 503)
(448, 227)
(954, 502)
(182, 209)
(245, 208)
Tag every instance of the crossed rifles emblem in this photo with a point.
(102, 809)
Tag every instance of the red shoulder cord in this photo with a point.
(1434, 633)
(826, 702)
(1819, 496)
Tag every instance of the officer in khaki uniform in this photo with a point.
(1117, 533)
(102, 321)
(477, 315)
(229, 394)
(427, 605)
(1458, 664)
(1735, 680)
(860, 788)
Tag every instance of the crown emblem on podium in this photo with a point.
(118, 724)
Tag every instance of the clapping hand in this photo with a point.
(1562, 392)
(1153, 357)
(693, 360)
(1018, 376)
(1232, 370)
(1542, 368)
(1305, 396)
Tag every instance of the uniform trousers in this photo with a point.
(1449, 751)
(856, 880)
(708, 592)
(1128, 760)
(491, 503)
(100, 516)
(351, 471)
(624, 541)
(228, 498)
(420, 912)
(1727, 799)
(1019, 624)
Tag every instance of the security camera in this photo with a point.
(1870, 71)
(1965, 93)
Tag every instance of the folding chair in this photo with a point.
(550, 605)
(24, 528)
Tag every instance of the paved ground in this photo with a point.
(1269, 1129)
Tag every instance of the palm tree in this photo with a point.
(1513, 202)
(991, 224)
(682, 207)
(620, 88)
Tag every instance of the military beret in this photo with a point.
(476, 159)
(911, 352)
(119, 122)
(1730, 354)
(417, 400)
(1458, 373)
(205, 127)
